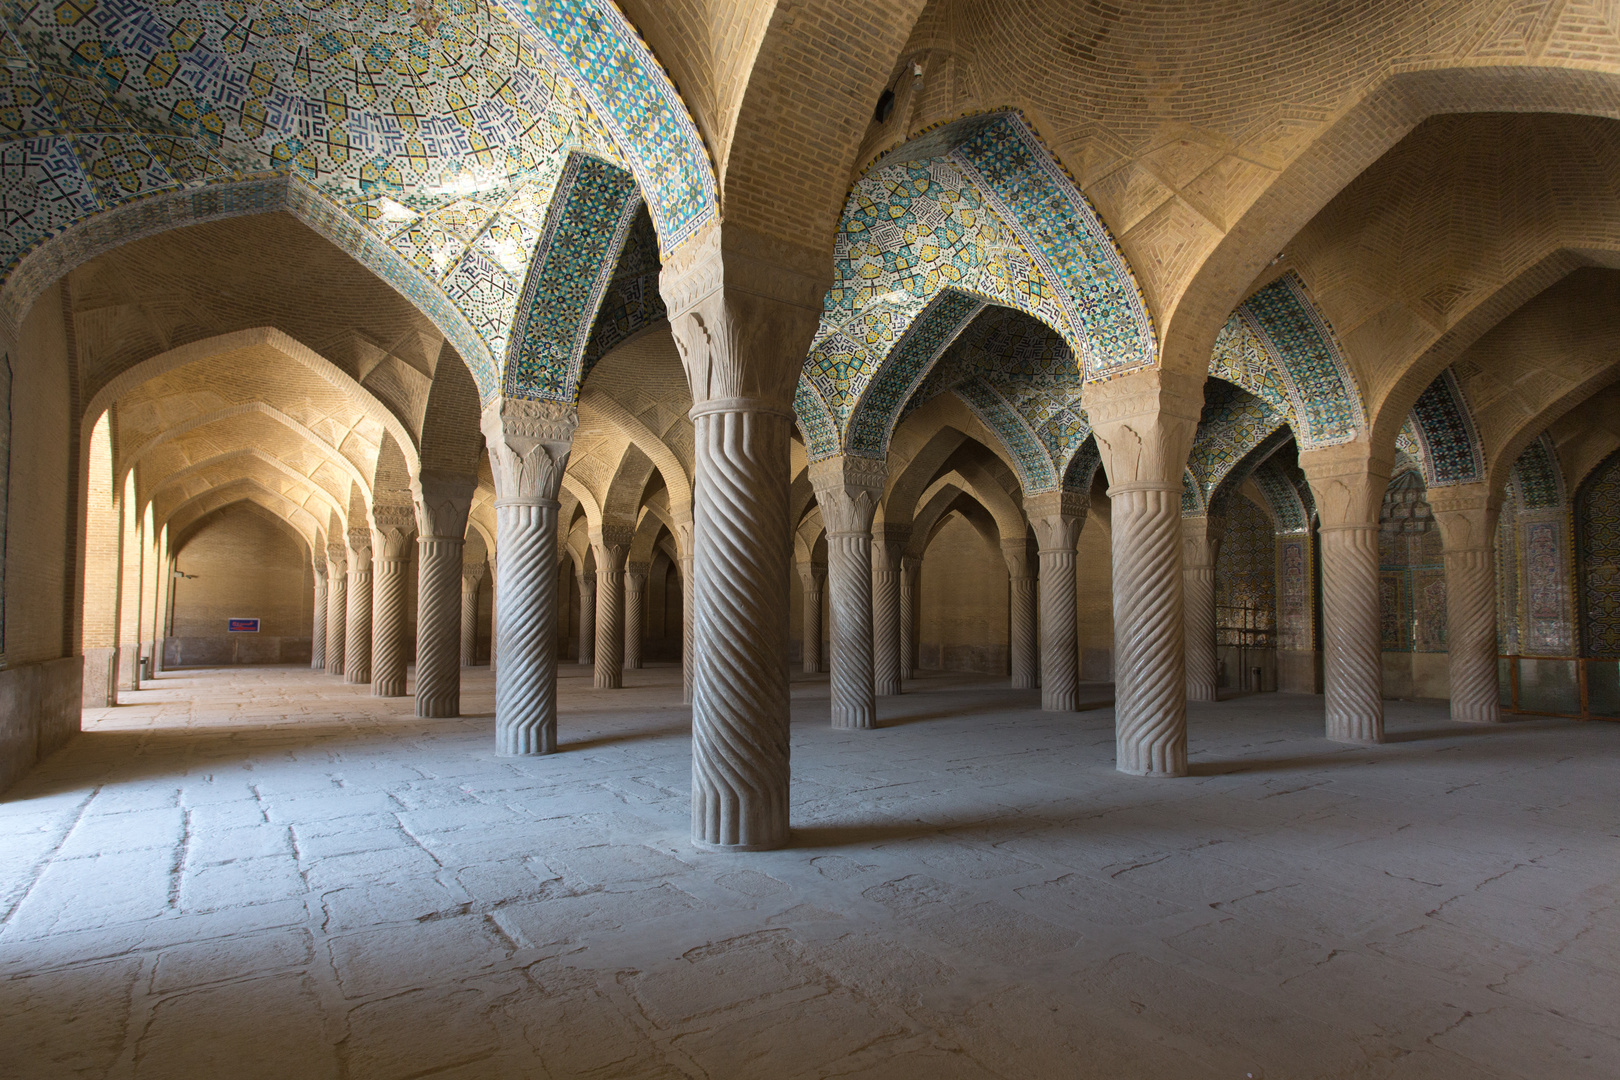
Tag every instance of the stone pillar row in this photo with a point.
(357, 639)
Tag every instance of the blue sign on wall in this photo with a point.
(242, 626)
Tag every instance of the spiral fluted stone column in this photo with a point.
(391, 562)
(337, 605)
(1144, 424)
(442, 502)
(587, 618)
(1200, 545)
(1348, 486)
(848, 490)
(635, 600)
(908, 617)
(811, 578)
(688, 659)
(1021, 609)
(743, 309)
(739, 697)
(494, 611)
(1057, 518)
(1467, 522)
(471, 575)
(887, 548)
(611, 543)
(317, 643)
(529, 442)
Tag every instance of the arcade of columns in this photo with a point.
(1197, 220)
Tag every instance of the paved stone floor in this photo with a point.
(267, 873)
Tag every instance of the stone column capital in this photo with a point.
(1020, 562)
(443, 500)
(359, 542)
(337, 556)
(812, 575)
(1144, 423)
(1057, 518)
(743, 308)
(1201, 540)
(1347, 482)
(529, 442)
(636, 573)
(471, 575)
(611, 543)
(1466, 514)
(848, 490)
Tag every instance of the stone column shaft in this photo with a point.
(848, 490)
(886, 616)
(1057, 519)
(908, 618)
(587, 618)
(688, 666)
(442, 503)
(1201, 541)
(1471, 635)
(317, 646)
(529, 443)
(470, 577)
(611, 543)
(811, 577)
(388, 617)
(635, 599)
(1150, 688)
(357, 642)
(740, 768)
(1352, 643)
(1021, 610)
(337, 607)
(494, 612)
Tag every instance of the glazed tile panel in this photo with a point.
(1451, 451)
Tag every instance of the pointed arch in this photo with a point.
(1449, 444)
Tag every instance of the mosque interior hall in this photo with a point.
(943, 539)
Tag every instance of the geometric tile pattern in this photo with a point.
(1597, 526)
(1233, 423)
(1294, 592)
(1408, 448)
(1277, 346)
(1536, 475)
(632, 301)
(1291, 513)
(981, 208)
(443, 129)
(629, 90)
(582, 239)
(1451, 450)
(1021, 378)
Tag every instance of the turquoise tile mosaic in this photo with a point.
(1234, 423)
(584, 236)
(981, 209)
(1278, 347)
(1451, 452)
(1538, 480)
(441, 127)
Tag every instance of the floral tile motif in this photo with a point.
(1291, 512)
(584, 235)
(1279, 348)
(1450, 448)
